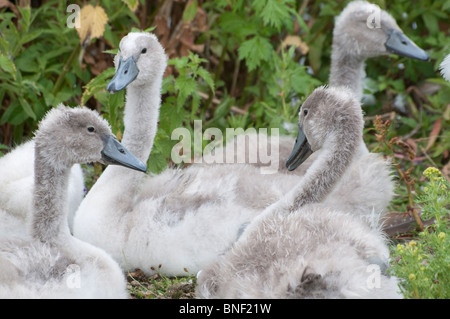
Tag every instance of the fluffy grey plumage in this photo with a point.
(49, 262)
(298, 248)
(16, 188)
(179, 218)
(353, 42)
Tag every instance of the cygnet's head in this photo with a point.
(364, 30)
(140, 59)
(67, 136)
(328, 115)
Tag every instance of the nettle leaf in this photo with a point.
(205, 75)
(254, 51)
(186, 86)
(179, 63)
(238, 25)
(276, 13)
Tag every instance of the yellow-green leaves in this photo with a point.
(92, 23)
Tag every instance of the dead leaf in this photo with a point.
(446, 171)
(92, 23)
(8, 4)
(297, 42)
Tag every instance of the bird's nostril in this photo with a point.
(122, 151)
(126, 71)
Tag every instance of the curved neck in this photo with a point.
(347, 70)
(141, 118)
(49, 219)
(331, 164)
(324, 173)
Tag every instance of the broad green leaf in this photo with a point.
(8, 66)
(27, 108)
(96, 84)
(431, 22)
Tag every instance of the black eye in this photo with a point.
(91, 129)
(305, 112)
(144, 50)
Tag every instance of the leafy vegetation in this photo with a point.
(233, 63)
(423, 264)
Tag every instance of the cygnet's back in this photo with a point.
(315, 253)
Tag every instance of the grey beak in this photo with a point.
(302, 150)
(114, 153)
(399, 43)
(125, 74)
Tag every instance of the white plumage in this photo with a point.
(445, 68)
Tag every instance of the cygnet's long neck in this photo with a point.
(49, 219)
(118, 185)
(325, 173)
(346, 70)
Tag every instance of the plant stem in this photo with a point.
(412, 206)
(66, 66)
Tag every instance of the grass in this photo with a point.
(159, 286)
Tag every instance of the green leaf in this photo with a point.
(132, 4)
(96, 84)
(27, 108)
(30, 36)
(275, 13)
(186, 86)
(26, 17)
(115, 103)
(8, 66)
(409, 121)
(112, 51)
(254, 51)
(179, 63)
(237, 25)
(205, 75)
(431, 22)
